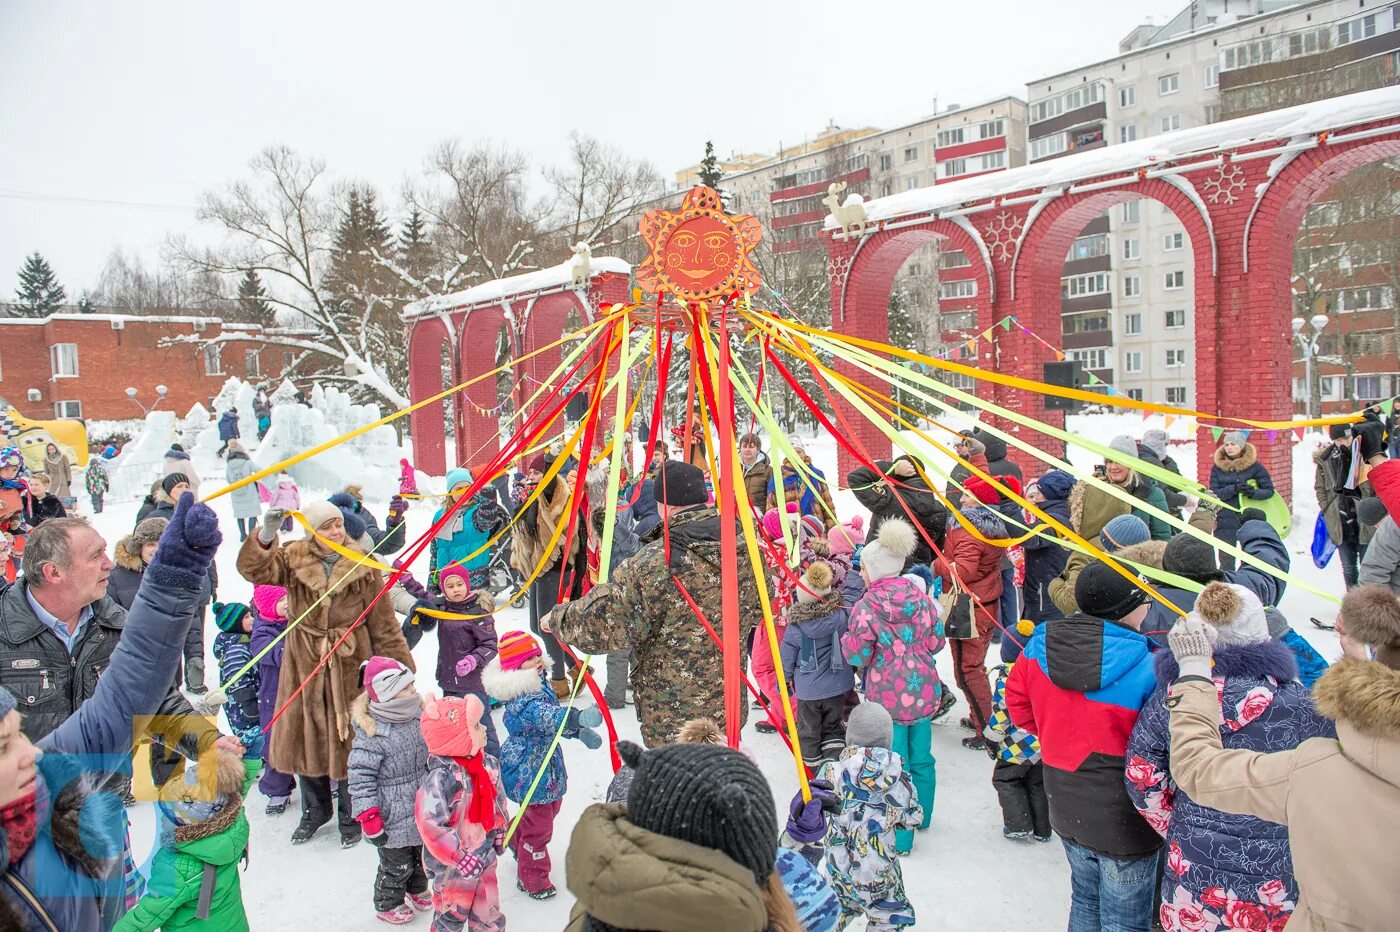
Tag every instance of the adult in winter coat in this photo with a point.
(678, 671)
(1079, 687)
(312, 738)
(80, 891)
(1126, 536)
(975, 565)
(1045, 557)
(228, 426)
(463, 539)
(1229, 869)
(1338, 493)
(247, 504)
(808, 488)
(895, 485)
(177, 460)
(60, 471)
(1091, 508)
(695, 847)
(1338, 798)
(995, 449)
(758, 471)
(1236, 478)
(132, 554)
(561, 567)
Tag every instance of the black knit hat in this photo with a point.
(172, 480)
(1102, 592)
(1195, 559)
(707, 795)
(679, 484)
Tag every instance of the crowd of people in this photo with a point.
(1171, 729)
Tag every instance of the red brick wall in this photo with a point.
(110, 360)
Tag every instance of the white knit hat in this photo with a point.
(1234, 612)
(886, 554)
(318, 513)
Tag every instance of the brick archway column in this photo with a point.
(478, 435)
(426, 338)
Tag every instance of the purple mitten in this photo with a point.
(397, 507)
(190, 539)
(807, 820)
(467, 664)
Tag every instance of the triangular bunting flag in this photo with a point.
(1093, 379)
(1059, 355)
(1246, 431)
(1216, 432)
(1387, 406)
(1272, 436)
(1006, 324)
(1146, 415)
(1300, 431)
(1012, 318)
(1170, 420)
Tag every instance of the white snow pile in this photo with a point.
(141, 461)
(371, 458)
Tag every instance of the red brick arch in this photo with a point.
(477, 434)
(426, 338)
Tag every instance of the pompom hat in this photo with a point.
(886, 555)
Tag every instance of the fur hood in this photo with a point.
(1148, 553)
(123, 556)
(1240, 463)
(1255, 661)
(363, 719)
(984, 519)
(304, 560)
(1364, 693)
(505, 685)
(229, 778)
(821, 607)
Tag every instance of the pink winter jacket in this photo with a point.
(285, 496)
(894, 632)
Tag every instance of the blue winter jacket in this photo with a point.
(95, 742)
(811, 649)
(228, 426)
(644, 510)
(1263, 708)
(477, 522)
(532, 716)
(233, 650)
(1045, 558)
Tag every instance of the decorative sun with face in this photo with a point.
(699, 252)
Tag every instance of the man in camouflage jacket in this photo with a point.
(678, 673)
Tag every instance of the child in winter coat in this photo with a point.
(894, 633)
(516, 677)
(233, 650)
(43, 504)
(814, 664)
(270, 611)
(9, 560)
(387, 762)
(286, 497)
(1018, 775)
(471, 527)
(460, 812)
(465, 647)
(194, 878)
(408, 479)
(95, 478)
(877, 800)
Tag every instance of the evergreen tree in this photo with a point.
(85, 305)
(362, 290)
(710, 173)
(415, 252)
(252, 306)
(39, 293)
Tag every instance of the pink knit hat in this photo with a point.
(448, 725)
(772, 525)
(384, 678)
(457, 570)
(265, 599)
(845, 538)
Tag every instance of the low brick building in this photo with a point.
(80, 365)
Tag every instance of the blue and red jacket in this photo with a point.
(1079, 686)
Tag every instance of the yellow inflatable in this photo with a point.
(32, 438)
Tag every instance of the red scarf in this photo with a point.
(482, 808)
(20, 822)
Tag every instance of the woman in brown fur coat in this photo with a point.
(314, 735)
(528, 550)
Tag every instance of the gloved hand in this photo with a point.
(807, 818)
(1372, 435)
(417, 618)
(372, 824)
(1192, 642)
(590, 738)
(191, 539)
(470, 866)
(467, 664)
(581, 723)
(208, 704)
(267, 534)
(1252, 484)
(397, 508)
(1253, 514)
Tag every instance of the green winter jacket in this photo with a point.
(219, 841)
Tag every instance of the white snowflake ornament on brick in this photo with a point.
(1225, 185)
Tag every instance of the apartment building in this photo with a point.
(1128, 283)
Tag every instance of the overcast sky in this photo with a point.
(116, 116)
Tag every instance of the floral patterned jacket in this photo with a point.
(1224, 871)
(895, 631)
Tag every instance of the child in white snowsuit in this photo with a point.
(461, 815)
(388, 758)
(877, 797)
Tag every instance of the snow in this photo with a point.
(557, 276)
(296, 428)
(1304, 121)
(961, 872)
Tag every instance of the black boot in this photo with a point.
(350, 832)
(316, 808)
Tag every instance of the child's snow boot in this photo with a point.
(543, 893)
(400, 915)
(420, 901)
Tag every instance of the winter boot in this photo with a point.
(277, 805)
(419, 901)
(350, 831)
(398, 916)
(945, 704)
(1014, 836)
(562, 687)
(975, 743)
(316, 808)
(543, 893)
(765, 727)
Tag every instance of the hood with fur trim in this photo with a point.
(1148, 553)
(1240, 463)
(505, 685)
(123, 556)
(230, 775)
(1363, 693)
(984, 519)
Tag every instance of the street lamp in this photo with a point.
(161, 392)
(1308, 343)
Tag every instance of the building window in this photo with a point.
(1174, 280)
(1127, 96)
(1363, 27)
(1171, 122)
(1091, 358)
(959, 289)
(963, 320)
(1211, 113)
(1047, 146)
(1367, 386)
(1135, 394)
(1132, 248)
(1132, 324)
(911, 182)
(1374, 298)
(886, 163)
(1127, 133)
(1078, 286)
(1132, 286)
(252, 362)
(1176, 395)
(950, 137)
(1072, 99)
(1168, 84)
(1212, 76)
(991, 129)
(1132, 361)
(1176, 358)
(953, 259)
(214, 359)
(886, 188)
(63, 360)
(1091, 322)
(954, 167)
(1173, 241)
(993, 160)
(1088, 247)
(1176, 319)
(1132, 212)
(73, 409)
(911, 154)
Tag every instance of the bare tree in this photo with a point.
(280, 223)
(598, 190)
(129, 285)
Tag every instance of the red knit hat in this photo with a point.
(514, 648)
(982, 491)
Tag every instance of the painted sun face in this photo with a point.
(699, 252)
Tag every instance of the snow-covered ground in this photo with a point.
(962, 874)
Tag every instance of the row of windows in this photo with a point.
(63, 360)
(1078, 286)
(1072, 99)
(1309, 41)
(988, 129)
(959, 289)
(1171, 320)
(974, 163)
(1362, 386)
